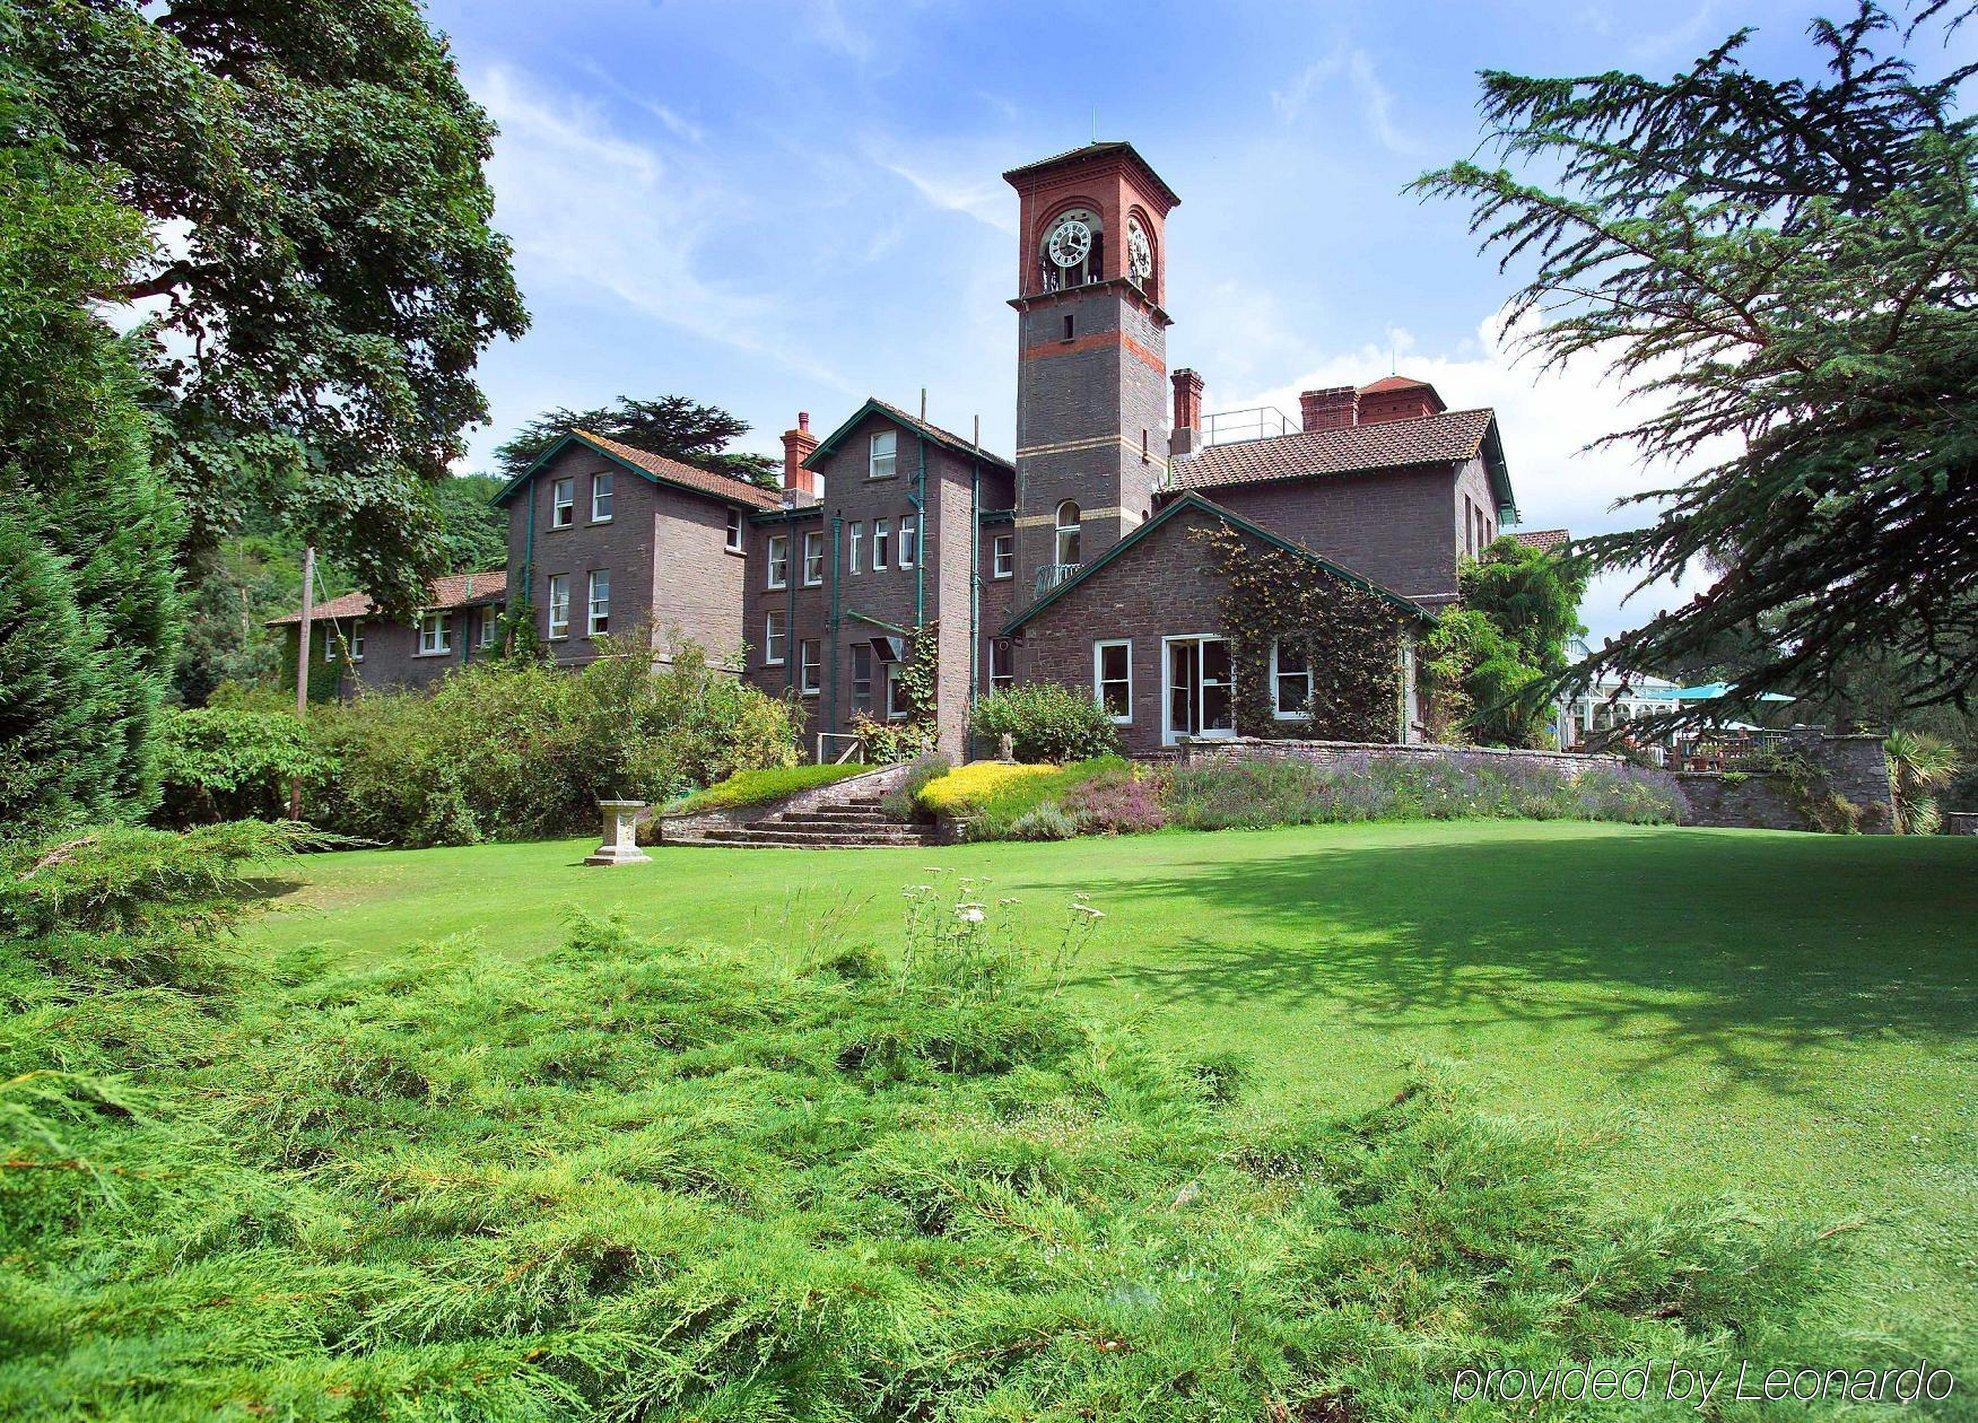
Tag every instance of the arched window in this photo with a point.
(1072, 249)
(1068, 530)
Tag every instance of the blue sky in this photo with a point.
(777, 207)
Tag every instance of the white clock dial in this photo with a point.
(1139, 251)
(1071, 241)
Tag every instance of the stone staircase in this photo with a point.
(852, 822)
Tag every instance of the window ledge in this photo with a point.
(443, 652)
(734, 552)
(596, 520)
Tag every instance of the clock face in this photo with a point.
(1139, 251)
(1070, 241)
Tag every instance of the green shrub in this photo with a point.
(215, 764)
(517, 750)
(1046, 722)
(887, 743)
(902, 803)
(758, 787)
(994, 815)
(625, 1180)
(1256, 792)
(1049, 821)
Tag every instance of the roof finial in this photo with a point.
(1095, 123)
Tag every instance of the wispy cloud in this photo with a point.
(593, 210)
(1374, 100)
(987, 200)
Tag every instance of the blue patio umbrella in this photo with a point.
(1711, 691)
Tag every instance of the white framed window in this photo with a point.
(435, 634)
(862, 676)
(775, 637)
(808, 658)
(601, 498)
(1002, 556)
(335, 645)
(734, 544)
(882, 544)
(909, 540)
(559, 605)
(1112, 679)
(779, 560)
(884, 455)
(1291, 682)
(896, 692)
(490, 626)
(854, 547)
(597, 606)
(1068, 530)
(562, 503)
(1002, 664)
(813, 558)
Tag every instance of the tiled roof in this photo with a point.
(455, 590)
(1093, 150)
(1543, 539)
(1452, 436)
(724, 486)
(1387, 383)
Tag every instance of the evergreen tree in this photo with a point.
(673, 426)
(1789, 268)
(87, 600)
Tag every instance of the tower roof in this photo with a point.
(1110, 149)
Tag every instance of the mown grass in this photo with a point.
(1787, 1018)
(898, 1176)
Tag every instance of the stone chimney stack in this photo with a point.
(1187, 435)
(797, 445)
(1333, 408)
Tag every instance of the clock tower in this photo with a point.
(1091, 420)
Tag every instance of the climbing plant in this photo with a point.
(1351, 638)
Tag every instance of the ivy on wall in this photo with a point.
(1351, 639)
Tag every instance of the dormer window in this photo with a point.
(884, 456)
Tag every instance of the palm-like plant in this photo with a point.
(1918, 765)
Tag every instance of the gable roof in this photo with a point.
(1544, 540)
(657, 469)
(947, 439)
(455, 590)
(1235, 521)
(1451, 437)
(1090, 151)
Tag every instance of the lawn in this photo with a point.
(1783, 1018)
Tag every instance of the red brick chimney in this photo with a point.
(1333, 408)
(797, 445)
(1186, 437)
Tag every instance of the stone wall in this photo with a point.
(1854, 768)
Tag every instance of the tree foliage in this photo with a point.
(1788, 269)
(1494, 661)
(87, 603)
(673, 425)
(330, 276)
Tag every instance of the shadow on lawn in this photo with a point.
(1746, 955)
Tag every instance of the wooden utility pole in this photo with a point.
(302, 666)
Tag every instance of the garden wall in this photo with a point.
(1854, 767)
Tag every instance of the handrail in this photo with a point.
(855, 749)
(1052, 574)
